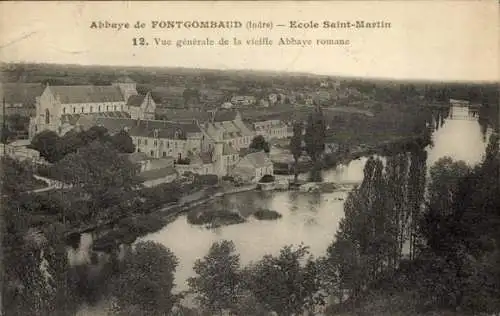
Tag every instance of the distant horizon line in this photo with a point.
(269, 71)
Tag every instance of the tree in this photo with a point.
(296, 146)
(5, 134)
(217, 280)
(145, 282)
(366, 243)
(101, 172)
(34, 261)
(315, 135)
(123, 142)
(283, 284)
(259, 144)
(445, 177)
(46, 143)
(461, 229)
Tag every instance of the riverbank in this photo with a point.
(344, 157)
(127, 229)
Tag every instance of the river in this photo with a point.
(309, 218)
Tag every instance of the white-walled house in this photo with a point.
(252, 167)
(19, 150)
(153, 171)
(271, 129)
(227, 127)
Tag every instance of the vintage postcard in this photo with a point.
(249, 158)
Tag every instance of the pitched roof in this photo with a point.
(137, 157)
(225, 115)
(112, 124)
(159, 163)
(165, 129)
(21, 143)
(258, 159)
(124, 79)
(115, 125)
(157, 173)
(182, 114)
(21, 93)
(87, 94)
(135, 100)
(229, 150)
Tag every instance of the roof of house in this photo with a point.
(137, 157)
(224, 115)
(112, 124)
(182, 114)
(20, 143)
(87, 94)
(258, 159)
(159, 163)
(154, 174)
(135, 100)
(124, 79)
(229, 150)
(201, 158)
(165, 129)
(21, 93)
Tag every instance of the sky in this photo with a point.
(429, 40)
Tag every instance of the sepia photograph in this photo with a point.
(253, 158)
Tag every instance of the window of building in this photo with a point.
(107, 107)
(164, 154)
(139, 141)
(152, 153)
(91, 109)
(99, 108)
(138, 150)
(145, 142)
(82, 109)
(47, 116)
(74, 110)
(64, 110)
(168, 144)
(156, 143)
(115, 108)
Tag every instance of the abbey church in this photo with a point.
(60, 107)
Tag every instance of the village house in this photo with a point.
(243, 100)
(264, 103)
(153, 171)
(59, 107)
(459, 103)
(219, 161)
(227, 127)
(252, 167)
(227, 105)
(271, 129)
(20, 150)
(309, 99)
(273, 98)
(292, 99)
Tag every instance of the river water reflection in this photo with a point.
(309, 218)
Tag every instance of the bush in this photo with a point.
(228, 178)
(208, 179)
(265, 214)
(223, 217)
(267, 178)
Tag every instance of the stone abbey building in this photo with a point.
(60, 107)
